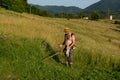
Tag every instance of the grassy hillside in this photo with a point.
(26, 39)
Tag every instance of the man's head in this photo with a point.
(67, 30)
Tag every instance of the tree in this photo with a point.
(70, 15)
(0, 2)
(81, 15)
(95, 16)
(34, 10)
(15, 5)
(22, 6)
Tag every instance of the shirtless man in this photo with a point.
(69, 43)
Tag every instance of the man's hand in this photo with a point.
(60, 45)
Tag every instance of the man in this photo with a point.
(69, 42)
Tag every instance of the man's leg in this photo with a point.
(65, 57)
(71, 57)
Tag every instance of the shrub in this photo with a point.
(117, 22)
(95, 16)
(15, 5)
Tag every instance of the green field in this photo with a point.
(26, 39)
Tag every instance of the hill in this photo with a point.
(104, 5)
(60, 9)
(26, 39)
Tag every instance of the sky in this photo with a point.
(78, 3)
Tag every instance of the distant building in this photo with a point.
(111, 17)
(86, 18)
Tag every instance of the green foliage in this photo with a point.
(117, 22)
(22, 6)
(15, 5)
(37, 11)
(95, 16)
(65, 15)
(81, 15)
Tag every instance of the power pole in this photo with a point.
(30, 9)
(108, 12)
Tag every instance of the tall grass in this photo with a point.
(21, 60)
(26, 39)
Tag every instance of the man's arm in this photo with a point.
(63, 42)
(73, 40)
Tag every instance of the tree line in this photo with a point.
(23, 6)
(92, 15)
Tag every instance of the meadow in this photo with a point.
(26, 39)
